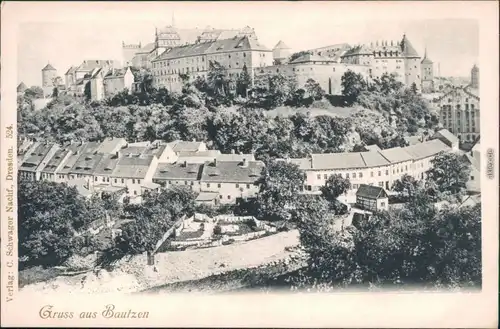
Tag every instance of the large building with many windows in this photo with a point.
(459, 113)
(194, 60)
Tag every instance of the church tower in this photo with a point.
(128, 52)
(427, 67)
(474, 77)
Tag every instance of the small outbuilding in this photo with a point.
(372, 198)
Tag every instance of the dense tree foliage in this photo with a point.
(416, 245)
(406, 187)
(334, 187)
(50, 216)
(450, 173)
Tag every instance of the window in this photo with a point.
(325, 176)
(135, 192)
(237, 185)
(133, 181)
(208, 184)
(319, 176)
(353, 175)
(185, 182)
(248, 186)
(382, 204)
(228, 197)
(95, 179)
(380, 173)
(355, 186)
(347, 175)
(123, 181)
(371, 173)
(381, 184)
(218, 185)
(220, 196)
(471, 177)
(360, 175)
(387, 172)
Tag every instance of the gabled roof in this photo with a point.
(147, 48)
(374, 159)
(48, 67)
(71, 70)
(212, 47)
(86, 163)
(306, 58)
(337, 161)
(133, 166)
(178, 171)
(56, 160)
(281, 45)
(396, 155)
(358, 50)
(371, 192)
(232, 171)
(447, 135)
(77, 149)
(90, 65)
(185, 146)
(111, 145)
(426, 149)
(106, 166)
(21, 87)
(454, 90)
(36, 157)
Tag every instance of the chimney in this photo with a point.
(232, 151)
(215, 162)
(185, 163)
(244, 164)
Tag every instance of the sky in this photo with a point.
(97, 33)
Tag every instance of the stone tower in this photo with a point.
(49, 73)
(281, 53)
(427, 67)
(128, 52)
(474, 77)
(411, 61)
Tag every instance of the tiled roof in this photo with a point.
(90, 64)
(197, 157)
(337, 161)
(86, 163)
(426, 149)
(306, 58)
(446, 134)
(281, 45)
(133, 166)
(71, 70)
(235, 157)
(185, 146)
(358, 50)
(232, 172)
(36, 157)
(178, 171)
(111, 145)
(370, 191)
(115, 73)
(396, 155)
(77, 150)
(407, 48)
(212, 47)
(48, 67)
(106, 166)
(56, 160)
(374, 159)
(21, 87)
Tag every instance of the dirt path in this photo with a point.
(175, 266)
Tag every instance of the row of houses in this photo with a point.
(374, 167)
(115, 166)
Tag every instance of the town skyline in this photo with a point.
(455, 55)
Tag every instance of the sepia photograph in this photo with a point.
(246, 148)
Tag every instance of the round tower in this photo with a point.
(474, 77)
(49, 73)
(281, 53)
(427, 68)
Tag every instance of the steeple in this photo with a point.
(426, 60)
